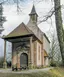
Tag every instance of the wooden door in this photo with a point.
(24, 60)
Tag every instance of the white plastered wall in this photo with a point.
(46, 61)
(46, 44)
(46, 47)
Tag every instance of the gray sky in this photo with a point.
(14, 19)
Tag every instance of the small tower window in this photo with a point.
(34, 18)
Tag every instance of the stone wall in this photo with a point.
(37, 54)
(16, 52)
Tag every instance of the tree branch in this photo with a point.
(50, 13)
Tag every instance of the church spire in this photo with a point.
(33, 11)
(33, 14)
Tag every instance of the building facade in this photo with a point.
(29, 44)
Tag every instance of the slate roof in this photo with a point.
(21, 30)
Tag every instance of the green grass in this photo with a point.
(59, 72)
(56, 72)
(40, 74)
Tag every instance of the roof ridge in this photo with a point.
(28, 31)
(27, 28)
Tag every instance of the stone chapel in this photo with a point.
(30, 46)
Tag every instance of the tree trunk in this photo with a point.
(59, 27)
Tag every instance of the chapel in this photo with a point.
(30, 46)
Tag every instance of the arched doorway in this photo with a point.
(24, 60)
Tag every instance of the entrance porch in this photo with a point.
(21, 52)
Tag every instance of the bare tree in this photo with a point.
(55, 50)
(59, 27)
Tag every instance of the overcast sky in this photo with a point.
(14, 19)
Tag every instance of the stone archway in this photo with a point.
(23, 60)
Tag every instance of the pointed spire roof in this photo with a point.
(33, 11)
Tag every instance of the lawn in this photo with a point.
(56, 72)
(59, 72)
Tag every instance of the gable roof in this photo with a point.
(21, 30)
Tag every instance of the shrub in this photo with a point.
(8, 64)
(53, 64)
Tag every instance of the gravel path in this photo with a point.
(25, 71)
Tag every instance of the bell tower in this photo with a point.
(33, 15)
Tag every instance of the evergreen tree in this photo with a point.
(2, 18)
